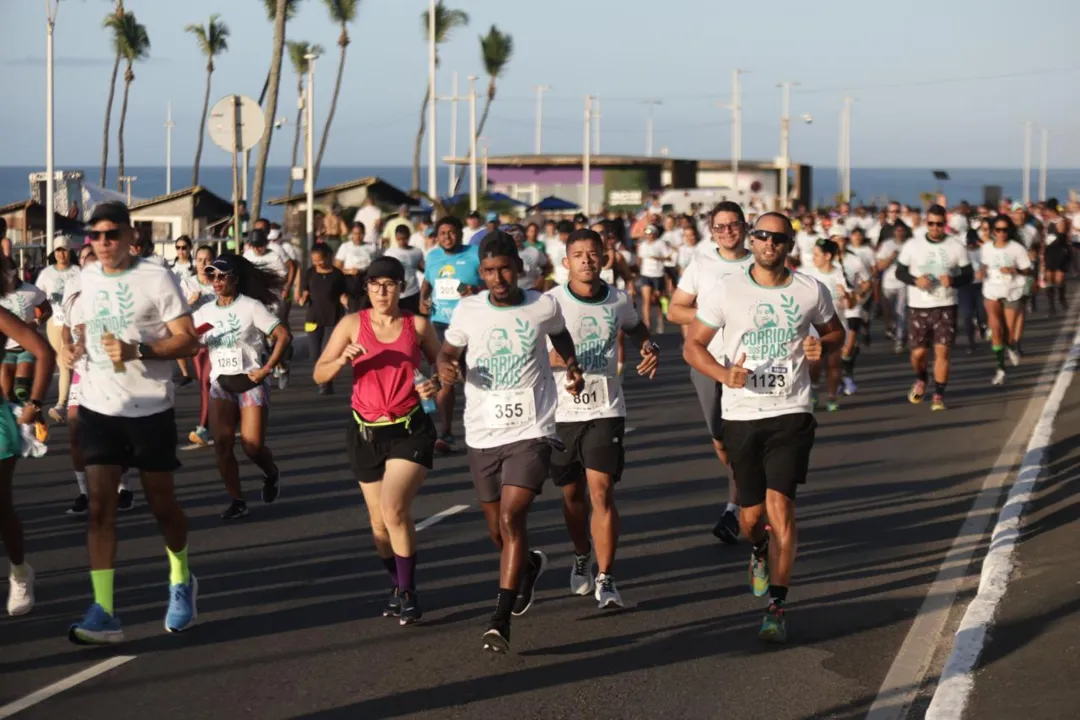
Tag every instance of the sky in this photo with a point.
(936, 83)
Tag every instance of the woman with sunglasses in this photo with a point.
(1005, 265)
(238, 321)
(183, 266)
(52, 280)
(198, 291)
(391, 440)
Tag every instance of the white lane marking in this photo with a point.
(957, 679)
(440, 516)
(906, 674)
(66, 684)
(630, 429)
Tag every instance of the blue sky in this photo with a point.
(912, 68)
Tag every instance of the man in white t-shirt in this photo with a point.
(556, 252)
(933, 265)
(893, 290)
(767, 314)
(371, 217)
(135, 325)
(510, 401)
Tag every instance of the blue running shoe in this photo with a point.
(759, 574)
(773, 627)
(182, 610)
(97, 628)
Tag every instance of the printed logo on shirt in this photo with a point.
(447, 271)
(595, 339)
(773, 331)
(112, 313)
(507, 355)
(229, 336)
(16, 304)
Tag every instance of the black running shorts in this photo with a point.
(523, 464)
(367, 458)
(589, 445)
(769, 454)
(147, 443)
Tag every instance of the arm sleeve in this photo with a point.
(903, 274)
(169, 301)
(688, 283)
(456, 334)
(711, 307)
(553, 321)
(1023, 261)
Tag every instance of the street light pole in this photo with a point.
(538, 140)
(309, 144)
(736, 128)
(453, 133)
(473, 196)
(1027, 162)
(169, 125)
(596, 126)
(845, 141)
(587, 157)
(50, 161)
(1042, 165)
(649, 126)
(433, 180)
(785, 134)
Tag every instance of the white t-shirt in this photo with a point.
(411, 258)
(687, 253)
(857, 272)
(595, 329)
(804, 247)
(52, 282)
(75, 319)
(135, 306)
(835, 282)
(509, 387)
(191, 285)
(269, 261)
(236, 340)
(674, 240)
(370, 216)
(355, 257)
(924, 257)
(21, 302)
(418, 240)
(998, 285)
(286, 250)
(889, 281)
(866, 254)
(652, 255)
(535, 264)
(468, 232)
(768, 325)
(706, 271)
(182, 271)
(556, 251)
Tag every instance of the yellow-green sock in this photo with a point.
(178, 569)
(102, 580)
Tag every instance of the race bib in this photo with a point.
(227, 361)
(447, 289)
(509, 408)
(593, 396)
(74, 394)
(773, 379)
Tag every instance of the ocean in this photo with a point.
(868, 184)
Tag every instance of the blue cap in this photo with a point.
(492, 217)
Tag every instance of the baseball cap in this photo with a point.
(273, 234)
(492, 217)
(111, 211)
(257, 237)
(513, 230)
(839, 230)
(62, 242)
(652, 230)
(224, 264)
(498, 244)
(386, 267)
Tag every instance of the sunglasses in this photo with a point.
(934, 223)
(729, 227)
(777, 238)
(104, 234)
(214, 273)
(183, 247)
(1001, 229)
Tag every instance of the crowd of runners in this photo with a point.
(538, 322)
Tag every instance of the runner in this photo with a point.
(30, 305)
(391, 441)
(766, 315)
(240, 395)
(510, 399)
(652, 253)
(825, 268)
(893, 290)
(533, 259)
(1056, 259)
(135, 324)
(261, 256)
(51, 281)
(933, 265)
(413, 262)
(592, 424)
(352, 258)
(183, 265)
(452, 272)
(1005, 266)
(725, 256)
(858, 273)
(199, 291)
(323, 294)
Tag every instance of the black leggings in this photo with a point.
(317, 338)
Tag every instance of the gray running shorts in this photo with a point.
(708, 393)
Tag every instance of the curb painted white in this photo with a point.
(957, 678)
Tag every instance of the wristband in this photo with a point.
(35, 403)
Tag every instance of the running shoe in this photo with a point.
(727, 530)
(850, 388)
(282, 375)
(58, 414)
(898, 347)
(813, 399)
(607, 595)
(759, 573)
(832, 406)
(393, 604)
(581, 577)
(182, 608)
(937, 403)
(410, 608)
(537, 563)
(446, 443)
(999, 377)
(21, 592)
(237, 509)
(199, 436)
(271, 488)
(96, 628)
(497, 637)
(41, 431)
(80, 507)
(1013, 356)
(773, 629)
(125, 500)
(917, 391)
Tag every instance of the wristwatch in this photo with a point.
(35, 403)
(142, 350)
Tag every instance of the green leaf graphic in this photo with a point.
(791, 309)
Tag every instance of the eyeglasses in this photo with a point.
(113, 234)
(777, 238)
(183, 247)
(934, 223)
(729, 227)
(1003, 229)
(382, 288)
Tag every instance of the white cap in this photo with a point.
(838, 230)
(273, 234)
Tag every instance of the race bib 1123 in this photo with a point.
(773, 379)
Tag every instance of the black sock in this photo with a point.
(778, 594)
(1061, 296)
(939, 388)
(762, 548)
(505, 604)
(847, 364)
(390, 564)
(922, 375)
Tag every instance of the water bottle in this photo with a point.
(428, 404)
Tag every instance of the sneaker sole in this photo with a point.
(532, 599)
(84, 637)
(496, 643)
(241, 516)
(194, 608)
(277, 495)
(584, 590)
(21, 611)
(773, 637)
(73, 513)
(405, 622)
(610, 603)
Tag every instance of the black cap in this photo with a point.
(258, 237)
(475, 214)
(386, 267)
(112, 211)
(564, 226)
(498, 244)
(224, 264)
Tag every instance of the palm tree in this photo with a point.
(298, 52)
(213, 40)
(341, 12)
(271, 12)
(132, 43)
(281, 11)
(496, 48)
(119, 12)
(446, 21)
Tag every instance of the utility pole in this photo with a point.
(1027, 162)
(785, 134)
(453, 132)
(1042, 165)
(433, 180)
(596, 126)
(587, 159)
(50, 160)
(128, 180)
(736, 128)
(169, 125)
(845, 149)
(473, 196)
(538, 141)
(483, 141)
(649, 126)
(309, 145)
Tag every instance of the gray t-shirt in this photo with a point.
(411, 258)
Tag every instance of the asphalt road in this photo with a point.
(289, 623)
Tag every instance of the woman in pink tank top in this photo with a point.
(391, 440)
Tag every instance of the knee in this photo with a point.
(602, 499)
(251, 447)
(509, 522)
(102, 509)
(395, 515)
